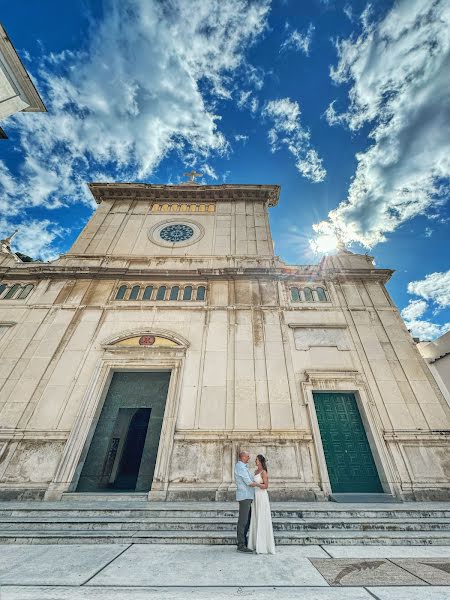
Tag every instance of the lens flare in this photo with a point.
(324, 244)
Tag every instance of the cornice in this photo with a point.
(35, 271)
(46, 271)
(20, 74)
(185, 192)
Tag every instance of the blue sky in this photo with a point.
(344, 104)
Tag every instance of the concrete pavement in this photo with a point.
(174, 572)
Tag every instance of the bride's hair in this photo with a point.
(263, 462)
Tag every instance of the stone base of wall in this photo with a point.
(22, 494)
(210, 495)
(427, 495)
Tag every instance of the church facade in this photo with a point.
(170, 336)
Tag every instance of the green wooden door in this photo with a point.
(349, 459)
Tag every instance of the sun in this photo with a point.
(325, 243)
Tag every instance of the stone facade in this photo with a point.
(245, 355)
(17, 92)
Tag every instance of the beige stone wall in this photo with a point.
(121, 228)
(244, 363)
(242, 381)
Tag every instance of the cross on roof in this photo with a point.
(192, 175)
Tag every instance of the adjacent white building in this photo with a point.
(170, 336)
(437, 356)
(17, 91)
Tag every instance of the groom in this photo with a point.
(245, 494)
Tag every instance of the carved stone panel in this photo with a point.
(307, 337)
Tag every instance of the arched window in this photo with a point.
(121, 292)
(12, 291)
(201, 291)
(321, 294)
(308, 294)
(295, 296)
(135, 292)
(3, 287)
(174, 292)
(148, 293)
(26, 290)
(161, 292)
(187, 293)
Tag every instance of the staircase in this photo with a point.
(89, 520)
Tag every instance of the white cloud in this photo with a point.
(435, 287)
(209, 171)
(239, 137)
(398, 72)
(142, 88)
(247, 100)
(348, 12)
(34, 238)
(300, 42)
(288, 131)
(414, 310)
(254, 76)
(424, 330)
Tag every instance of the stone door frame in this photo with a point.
(120, 359)
(353, 383)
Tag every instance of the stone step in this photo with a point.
(363, 498)
(105, 497)
(322, 537)
(169, 514)
(99, 523)
(147, 509)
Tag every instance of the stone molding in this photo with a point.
(182, 342)
(317, 325)
(35, 271)
(269, 436)
(208, 193)
(433, 436)
(332, 380)
(30, 434)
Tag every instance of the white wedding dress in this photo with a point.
(260, 534)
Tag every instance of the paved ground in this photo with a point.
(175, 572)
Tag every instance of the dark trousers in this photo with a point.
(245, 509)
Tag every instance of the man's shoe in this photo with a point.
(244, 549)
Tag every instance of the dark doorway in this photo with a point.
(130, 460)
(124, 447)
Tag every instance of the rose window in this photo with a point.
(176, 233)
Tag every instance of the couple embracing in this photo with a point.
(255, 518)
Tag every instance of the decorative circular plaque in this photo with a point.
(146, 340)
(175, 233)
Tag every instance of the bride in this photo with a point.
(260, 535)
